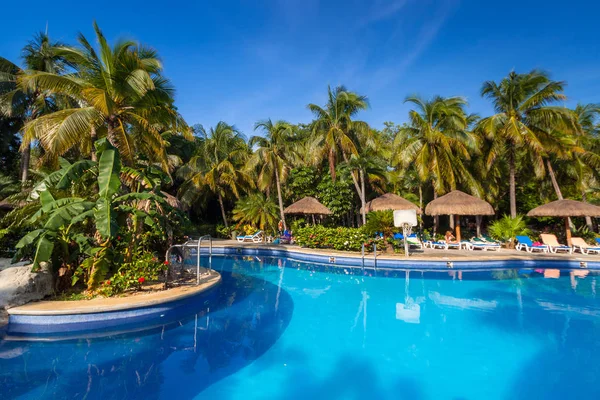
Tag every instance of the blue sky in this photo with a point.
(241, 61)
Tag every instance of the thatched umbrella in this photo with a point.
(566, 209)
(458, 203)
(308, 206)
(390, 201)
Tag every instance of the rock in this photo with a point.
(18, 285)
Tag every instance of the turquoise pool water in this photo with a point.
(279, 329)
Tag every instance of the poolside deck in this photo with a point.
(419, 255)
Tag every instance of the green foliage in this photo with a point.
(301, 183)
(132, 275)
(83, 235)
(340, 238)
(380, 222)
(258, 211)
(507, 228)
(338, 196)
(224, 231)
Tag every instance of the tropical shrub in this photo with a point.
(89, 235)
(380, 222)
(131, 275)
(318, 236)
(507, 228)
(257, 211)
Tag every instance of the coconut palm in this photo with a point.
(217, 167)
(524, 115)
(437, 142)
(22, 104)
(118, 93)
(334, 126)
(273, 155)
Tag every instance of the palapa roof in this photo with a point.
(565, 208)
(459, 203)
(390, 201)
(307, 205)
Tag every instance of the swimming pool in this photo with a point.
(277, 328)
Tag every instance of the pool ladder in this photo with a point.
(198, 245)
(362, 253)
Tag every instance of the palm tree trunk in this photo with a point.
(25, 157)
(332, 163)
(93, 137)
(553, 179)
(557, 188)
(281, 214)
(436, 219)
(223, 210)
(362, 196)
(512, 188)
(588, 220)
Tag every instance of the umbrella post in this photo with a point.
(568, 231)
(457, 228)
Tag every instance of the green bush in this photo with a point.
(507, 228)
(340, 238)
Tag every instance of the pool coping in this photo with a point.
(114, 304)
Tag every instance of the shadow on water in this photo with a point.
(247, 316)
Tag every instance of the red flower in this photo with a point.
(107, 283)
(166, 263)
(141, 280)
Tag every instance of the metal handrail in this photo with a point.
(198, 245)
(362, 255)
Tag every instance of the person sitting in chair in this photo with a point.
(449, 237)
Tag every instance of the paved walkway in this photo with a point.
(421, 255)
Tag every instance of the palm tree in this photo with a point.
(217, 167)
(333, 126)
(437, 142)
(117, 92)
(524, 115)
(274, 155)
(23, 104)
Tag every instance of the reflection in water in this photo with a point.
(243, 324)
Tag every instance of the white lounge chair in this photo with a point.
(442, 245)
(580, 244)
(483, 246)
(256, 238)
(553, 245)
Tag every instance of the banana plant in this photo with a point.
(108, 210)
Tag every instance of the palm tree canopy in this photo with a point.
(118, 91)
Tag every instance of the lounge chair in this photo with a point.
(286, 237)
(553, 245)
(598, 240)
(442, 245)
(256, 238)
(412, 240)
(580, 244)
(476, 245)
(526, 244)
